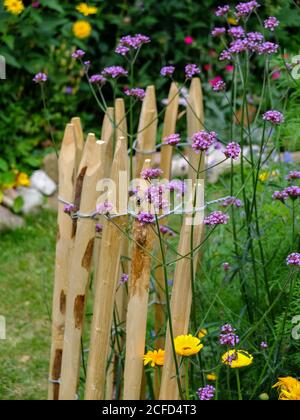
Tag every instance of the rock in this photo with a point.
(42, 182)
(8, 220)
(33, 199)
(50, 166)
(9, 197)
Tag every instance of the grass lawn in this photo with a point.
(26, 279)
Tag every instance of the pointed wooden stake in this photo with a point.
(147, 129)
(79, 139)
(182, 291)
(139, 283)
(64, 246)
(107, 273)
(89, 173)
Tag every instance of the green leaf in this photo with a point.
(18, 204)
(3, 165)
(33, 161)
(11, 60)
(54, 5)
(9, 41)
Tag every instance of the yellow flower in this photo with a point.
(232, 21)
(14, 6)
(202, 333)
(82, 29)
(237, 359)
(264, 176)
(156, 358)
(289, 389)
(187, 345)
(86, 10)
(22, 180)
(211, 377)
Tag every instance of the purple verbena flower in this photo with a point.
(225, 55)
(255, 37)
(203, 140)
(280, 195)
(275, 117)
(165, 230)
(176, 185)
(78, 54)
(238, 46)
(40, 78)
(227, 329)
(271, 23)
(229, 339)
(222, 10)
(293, 175)
(191, 70)
(146, 218)
(172, 140)
(69, 208)
(114, 72)
(293, 192)
(293, 259)
(226, 266)
(207, 393)
(122, 50)
(137, 93)
(68, 90)
(97, 79)
(236, 32)
(268, 48)
(245, 9)
(232, 150)
(104, 208)
(219, 86)
(216, 218)
(124, 278)
(99, 227)
(263, 345)
(151, 173)
(218, 32)
(231, 201)
(131, 42)
(167, 71)
(155, 195)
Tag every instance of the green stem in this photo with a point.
(238, 384)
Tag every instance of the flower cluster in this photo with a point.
(104, 208)
(293, 259)
(78, 54)
(216, 218)
(202, 140)
(40, 78)
(124, 278)
(155, 195)
(207, 393)
(146, 218)
(232, 150)
(236, 32)
(167, 71)
(191, 70)
(222, 10)
(151, 173)
(114, 72)
(136, 93)
(245, 9)
(176, 185)
(98, 79)
(231, 201)
(293, 175)
(271, 23)
(228, 337)
(274, 117)
(165, 230)
(218, 31)
(131, 42)
(70, 208)
(218, 84)
(172, 140)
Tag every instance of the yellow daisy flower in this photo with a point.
(202, 333)
(14, 6)
(22, 180)
(237, 359)
(82, 29)
(187, 345)
(211, 377)
(289, 389)
(86, 10)
(156, 358)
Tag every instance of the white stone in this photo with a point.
(43, 183)
(33, 199)
(8, 220)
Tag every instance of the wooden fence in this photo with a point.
(82, 255)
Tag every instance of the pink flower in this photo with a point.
(229, 68)
(207, 67)
(276, 75)
(217, 84)
(188, 40)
